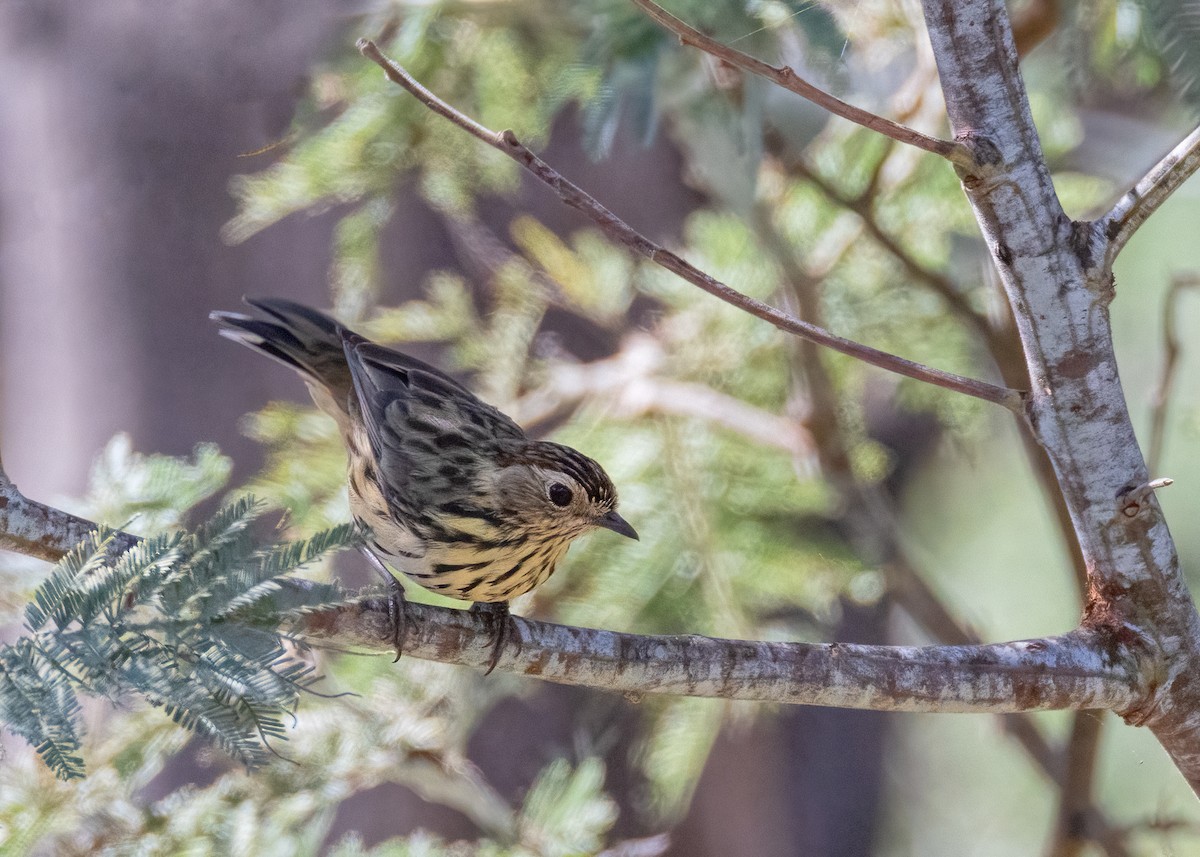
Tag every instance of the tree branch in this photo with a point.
(31, 528)
(1077, 670)
(1077, 409)
(786, 77)
(1135, 207)
(618, 230)
(1072, 671)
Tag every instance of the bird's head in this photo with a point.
(554, 490)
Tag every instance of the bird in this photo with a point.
(444, 487)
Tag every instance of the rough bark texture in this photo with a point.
(1072, 671)
(1059, 286)
(1139, 644)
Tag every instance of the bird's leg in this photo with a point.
(496, 614)
(395, 600)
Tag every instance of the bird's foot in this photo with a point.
(396, 601)
(496, 615)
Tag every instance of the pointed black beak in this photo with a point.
(613, 521)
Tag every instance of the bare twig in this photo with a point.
(786, 77)
(617, 229)
(1132, 210)
(935, 281)
(1161, 401)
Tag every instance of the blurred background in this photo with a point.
(158, 161)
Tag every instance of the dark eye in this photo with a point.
(560, 495)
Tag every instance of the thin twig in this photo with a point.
(1161, 401)
(786, 77)
(1133, 209)
(939, 283)
(507, 142)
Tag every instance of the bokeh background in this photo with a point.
(158, 161)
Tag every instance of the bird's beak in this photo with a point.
(613, 521)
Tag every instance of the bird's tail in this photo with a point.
(298, 337)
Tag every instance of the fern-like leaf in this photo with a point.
(186, 621)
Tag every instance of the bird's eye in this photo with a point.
(560, 495)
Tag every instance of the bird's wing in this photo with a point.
(429, 433)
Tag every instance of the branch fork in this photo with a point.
(506, 141)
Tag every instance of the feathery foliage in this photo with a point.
(740, 536)
(184, 620)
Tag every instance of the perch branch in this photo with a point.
(1077, 670)
(1072, 671)
(33, 529)
(786, 77)
(618, 230)
(1135, 207)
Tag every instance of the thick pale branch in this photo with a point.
(786, 77)
(33, 529)
(1071, 671)
(1078, 670)
(1059, 289)
(1135, 207)
(618, 230)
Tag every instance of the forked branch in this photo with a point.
(507, 142)
(1135, 207)
(786, 77)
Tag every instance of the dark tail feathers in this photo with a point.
(299, 337)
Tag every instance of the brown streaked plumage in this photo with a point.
(446, 488)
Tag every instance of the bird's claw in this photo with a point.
(500, 624)
(396, 614)
(395, 599)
